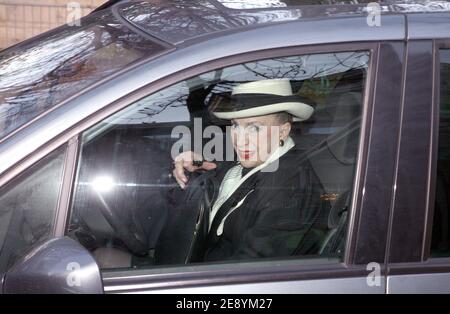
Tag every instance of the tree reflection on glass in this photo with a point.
(37, 75)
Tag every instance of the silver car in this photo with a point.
(91, 111)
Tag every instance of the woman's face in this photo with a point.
(256, 138)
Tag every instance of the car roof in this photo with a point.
(178, 22)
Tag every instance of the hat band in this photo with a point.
(238, 102)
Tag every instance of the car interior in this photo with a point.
(122, 228)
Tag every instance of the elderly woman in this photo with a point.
(265, 204)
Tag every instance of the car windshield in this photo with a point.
(38, 74)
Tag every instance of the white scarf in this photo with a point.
(229, 186)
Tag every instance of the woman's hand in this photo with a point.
(185, 161)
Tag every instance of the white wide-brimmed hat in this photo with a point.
(260, 98)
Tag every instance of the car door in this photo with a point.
(418, 252)
(111, 157)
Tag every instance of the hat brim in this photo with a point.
(300, 111)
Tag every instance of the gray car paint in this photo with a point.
(427, 26)
(419, 283)
(60, 265)
(357, 285)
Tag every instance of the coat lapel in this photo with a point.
(243, 190)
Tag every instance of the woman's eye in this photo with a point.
(250, 128)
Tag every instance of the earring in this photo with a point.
(281, 143)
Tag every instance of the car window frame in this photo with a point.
(413, 156)
(344, 269)
(425, 264)
(426, 254)
(257, 56)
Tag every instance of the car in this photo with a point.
(92, 114)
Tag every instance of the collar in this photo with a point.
(268, 164)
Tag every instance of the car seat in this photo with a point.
(334, 159)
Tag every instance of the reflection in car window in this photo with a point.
(440, 243)
(28, 206)
(38, 74)
(260, 4)
(252, 4)
(177, 21)
(129, 210)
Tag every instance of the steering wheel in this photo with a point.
(134, 239)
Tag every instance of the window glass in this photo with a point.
(259, 4)
(28, 206)
(178, 21)
(39, 74)
(440, 243)
(279, 140)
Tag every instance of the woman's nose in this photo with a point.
(241, 138)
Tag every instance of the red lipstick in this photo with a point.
(245, 154)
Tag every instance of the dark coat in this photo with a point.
(282, 215)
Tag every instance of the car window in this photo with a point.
(27, 207)
(130, 211)
(440, 243)
(39, 74)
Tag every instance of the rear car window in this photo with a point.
(38, 74)
(440, 242)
